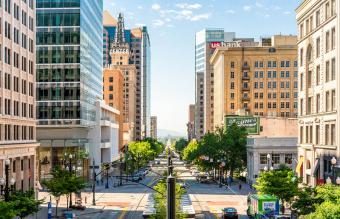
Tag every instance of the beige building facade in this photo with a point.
(18, 142)
(318, 51)
(256, 79)
(191, 122)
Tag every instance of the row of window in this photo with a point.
(58, 112)
(272, 64)
(273, 105)
(16, 9)
(58, 55)
(271, 85)
(58, 37)
(16, 132)
(58, 75)
(275, 159)
(273, 95)
(273, 74)
(58, 93)
(310, 24)
(10, 81)
(17, 108)
(330, 100)
(16, 62)
(306, 134)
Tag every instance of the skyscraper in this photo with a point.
(17, 95)
(153, 127)
(139, 45)
(203, 52)
(69, 73)
(120, 66)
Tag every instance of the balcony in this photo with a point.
(245, 67)
(245, 98)
(105, 143)
(245, 77)
(105, 121)
(245, 88)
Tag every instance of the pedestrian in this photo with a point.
(240, 186)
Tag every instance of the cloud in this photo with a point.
(158, 23)
(200, 17)
(140, 7)
(247, 8)
(287, 12)
(156, 7)
(188, 6)
(230, 11)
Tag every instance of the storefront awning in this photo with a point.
(316, 167)
(301, 159)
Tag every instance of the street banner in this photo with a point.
(252, 124)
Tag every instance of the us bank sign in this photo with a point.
(215, 45)
(250, 123)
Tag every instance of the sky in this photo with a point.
(172, 25)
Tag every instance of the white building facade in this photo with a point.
(318, 51)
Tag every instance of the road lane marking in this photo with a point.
(124, 210)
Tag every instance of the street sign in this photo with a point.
(49, 210)
(252, 124)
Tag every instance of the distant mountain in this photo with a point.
(165, 133)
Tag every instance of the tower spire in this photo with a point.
(120, 36)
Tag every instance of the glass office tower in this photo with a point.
(69, 61)
(69, 66)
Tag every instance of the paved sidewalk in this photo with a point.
(245, 188)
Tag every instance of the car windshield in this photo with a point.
(230, 210)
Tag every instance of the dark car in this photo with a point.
(229, 213)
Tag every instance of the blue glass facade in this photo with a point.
(69, 61)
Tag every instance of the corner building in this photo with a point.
(318, 25)
(69, 74)
(17, 94)
(258, 79)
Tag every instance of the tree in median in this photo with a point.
(280, 182)
(180, 144)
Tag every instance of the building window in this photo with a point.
(232, 75)
(317, 134)
(328, 101)
(276, 158)
(318, 47)
(309, 79)
(317, 18)
(333, 100)
(301, 31)
(301, 57)
(327, 41)
(232, 64)
(263, 159)
(288, 158)
(333, 9)
(327, 133)
(333, 38)
(232, 106)
(327, 10)
(318, 75)
(232, 95)
(327, 71)
(333, 69)
(333, 134)
(317, 103)
(232, 85)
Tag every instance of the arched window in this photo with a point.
(309, 53)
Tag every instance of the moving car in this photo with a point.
(229, 213)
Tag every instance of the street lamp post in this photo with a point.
(333, 162)
(7, 182)
(120, 170)
(268, 160)
(70, 156)
(171, 190)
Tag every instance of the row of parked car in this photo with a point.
(140, 174)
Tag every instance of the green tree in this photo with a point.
(233, 142)
(280, 182)
(8, 210)
(190, 153)
(160, 200)
(326, 201)
(180, 144)
(25, 203)
(140, 153)
(63, 183)
(304, 202)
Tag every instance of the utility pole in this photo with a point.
(171, 190)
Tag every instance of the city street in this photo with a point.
(129, 201)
